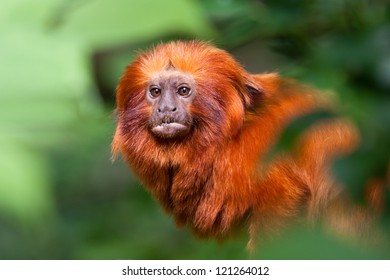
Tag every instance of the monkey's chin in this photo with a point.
(170, 130)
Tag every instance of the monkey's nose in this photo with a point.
(166, 109)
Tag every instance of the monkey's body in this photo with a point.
(207, 169)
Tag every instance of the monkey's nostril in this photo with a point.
(174, 109)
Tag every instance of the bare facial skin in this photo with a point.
(170, 93)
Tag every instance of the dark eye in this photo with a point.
(184, 91)
(155, 91)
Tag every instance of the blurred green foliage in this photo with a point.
(61, 197)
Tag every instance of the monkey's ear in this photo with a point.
(254, 93)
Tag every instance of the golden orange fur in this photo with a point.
(215, 178)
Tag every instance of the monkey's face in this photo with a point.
(170, 94)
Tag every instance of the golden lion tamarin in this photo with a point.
(195, 127)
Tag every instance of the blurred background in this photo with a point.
(61, 196)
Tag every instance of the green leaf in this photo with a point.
(26, 13)
(46, 84)
(24, 187)
(103, 24)
(303, 243)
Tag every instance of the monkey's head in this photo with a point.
(181, 91)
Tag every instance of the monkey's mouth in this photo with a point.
(168, 127)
